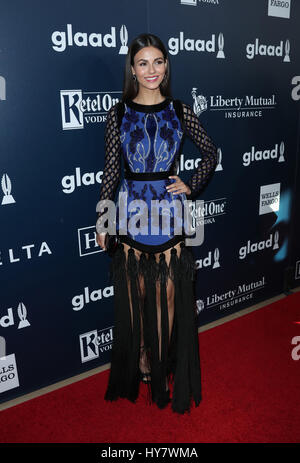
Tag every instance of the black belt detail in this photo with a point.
(147, 175)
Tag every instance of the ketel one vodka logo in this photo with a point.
(94, 343)
(61, 39)
(6, 188)
(8, 320)
(78, 107)
(181, 43)
(257, 48)
(249, 248)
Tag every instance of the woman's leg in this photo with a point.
(144, 364)
(170, 300)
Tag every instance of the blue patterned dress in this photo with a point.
(148, 139)
(151, 139)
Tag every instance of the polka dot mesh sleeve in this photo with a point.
(197, 133)
(112, 162)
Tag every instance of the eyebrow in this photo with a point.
(142, 59)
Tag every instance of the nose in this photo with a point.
(152, 70)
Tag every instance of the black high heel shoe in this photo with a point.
(144, 376)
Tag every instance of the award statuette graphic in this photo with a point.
(200, 102)
(2, 347)
(6, 188)
(22, 312)
(124, 40)
(220, 53)
(216, 257)
(219, 158)
(287, 49)
(2, 88)
(281, 151)
(276, 239)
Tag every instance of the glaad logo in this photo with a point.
(296, 350)
(249, 106)
(94, 343)
(8, 373)
(187, 164)
(6, 188)
(79, 301)
(207, 261)
(259, 155)
(279, 8)
(250, 248)
(8, 320)
(176, 44)
(2, 88)
(269, 200)
(70, 182)
(60, 40)
(254, 49)
(241, 293)
(78, 107)
(296, 90)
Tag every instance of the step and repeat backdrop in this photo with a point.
(61, 69)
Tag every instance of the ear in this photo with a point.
(132, 69)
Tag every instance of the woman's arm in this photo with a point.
(195, 130)
(112, 163)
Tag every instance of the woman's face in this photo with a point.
(149, 67)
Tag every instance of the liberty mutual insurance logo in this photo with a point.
(233, 107)
(61, 39)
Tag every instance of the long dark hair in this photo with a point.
(131, 86)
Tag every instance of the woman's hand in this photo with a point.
(101, 240)
(178, 186)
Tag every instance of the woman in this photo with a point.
(155, 330)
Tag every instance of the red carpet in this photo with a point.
(250, 386)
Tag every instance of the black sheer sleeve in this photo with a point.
(112, 163)
(195, 130)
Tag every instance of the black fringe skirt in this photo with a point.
(179, 361)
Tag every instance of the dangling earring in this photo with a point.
(134, 77)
